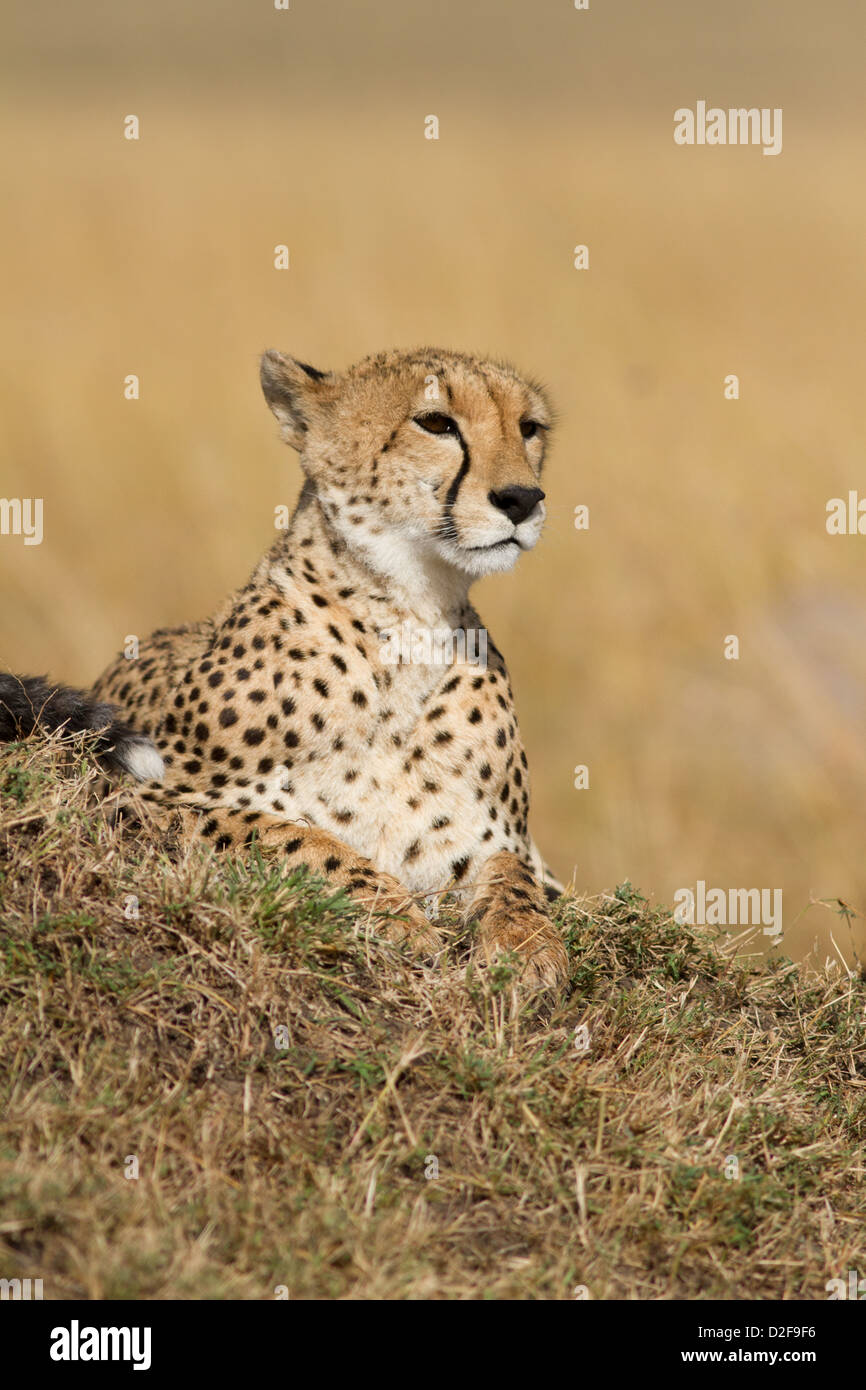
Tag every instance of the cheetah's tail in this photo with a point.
(28, 703)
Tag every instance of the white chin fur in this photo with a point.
(487, 558)
(494, 561)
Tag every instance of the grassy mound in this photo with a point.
(218, 1083)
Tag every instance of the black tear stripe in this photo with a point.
(449, 530)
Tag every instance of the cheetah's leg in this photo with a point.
(323, 853)
(508, 903)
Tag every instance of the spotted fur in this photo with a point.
(279, 717)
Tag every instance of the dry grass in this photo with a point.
(304, 1166)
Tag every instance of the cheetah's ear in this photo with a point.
(295, 392)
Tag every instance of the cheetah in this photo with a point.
(283, 718)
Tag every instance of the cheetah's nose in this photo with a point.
(516, 502)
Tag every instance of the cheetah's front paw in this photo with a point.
(407, 925)
(532, 937)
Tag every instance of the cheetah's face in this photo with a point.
(428, 454)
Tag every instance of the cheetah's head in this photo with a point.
(429, 456)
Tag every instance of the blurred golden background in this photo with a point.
(707, 516)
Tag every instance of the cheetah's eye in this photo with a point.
(434, 423)
(529, 428)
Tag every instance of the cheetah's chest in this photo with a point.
(413, 765)
(385, 761)
(360, 769)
